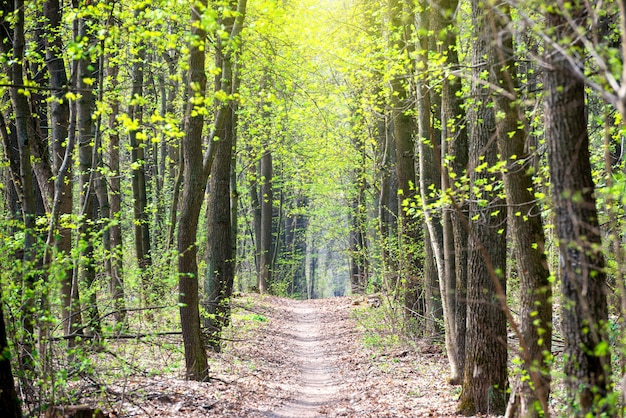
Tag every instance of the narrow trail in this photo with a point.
(301, 359)
(311, 350)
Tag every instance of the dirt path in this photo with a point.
(299, 359)
(310, 351)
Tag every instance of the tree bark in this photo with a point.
(61, 161)
(524, 219)
(193, 190)
(484, 388)
(138, 162)
(116, 283)
(429, 162)
(403, 131)
(266, 200)
(15, 36)
(454, 150)
(583, 277)
(9, 402)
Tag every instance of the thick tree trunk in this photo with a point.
(193, 190)
(485, 375)
(524, 219)
(583, 278)
(61, 160)
(220, 258)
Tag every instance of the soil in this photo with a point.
(287, 358)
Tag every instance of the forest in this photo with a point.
(460, 160)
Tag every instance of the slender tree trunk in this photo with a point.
(388, 203)
(15, 36)
(403, 131)
(116, 283)
(255, 207)
(9, 402)
(454, 217)
(583, 277)
(265, 235)
(138, 161)
(85, 106)
(428, 148)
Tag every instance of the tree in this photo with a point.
(403, 131)
(220, 255)
(484, 388)
(197, 167)
(9, 402)
(525, 223)
(62, 157)
(14, 37)
(138, 162)
(193, 189)
(85, 83)
(583, 278)
(265, 234)
(454, 160)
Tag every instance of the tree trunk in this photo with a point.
(524, 219)
(15, 36)
(61, 160)
(116, 283)
(138, 162)
(428, 148)
(403, 131)
(9, 402)
(454, 163)
(193, 190)
(358, 243)
(85, 106)
(583, 278)
(265, 250)
(485, 375)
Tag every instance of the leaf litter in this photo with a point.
(288, 358)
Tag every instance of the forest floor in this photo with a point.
(288, 358)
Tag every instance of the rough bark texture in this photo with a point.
(485, 375)
(583, 279)
(220, 256)
(193, 191)
(524, 219)
(59, 126)
(26, 189)
(85, 106)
